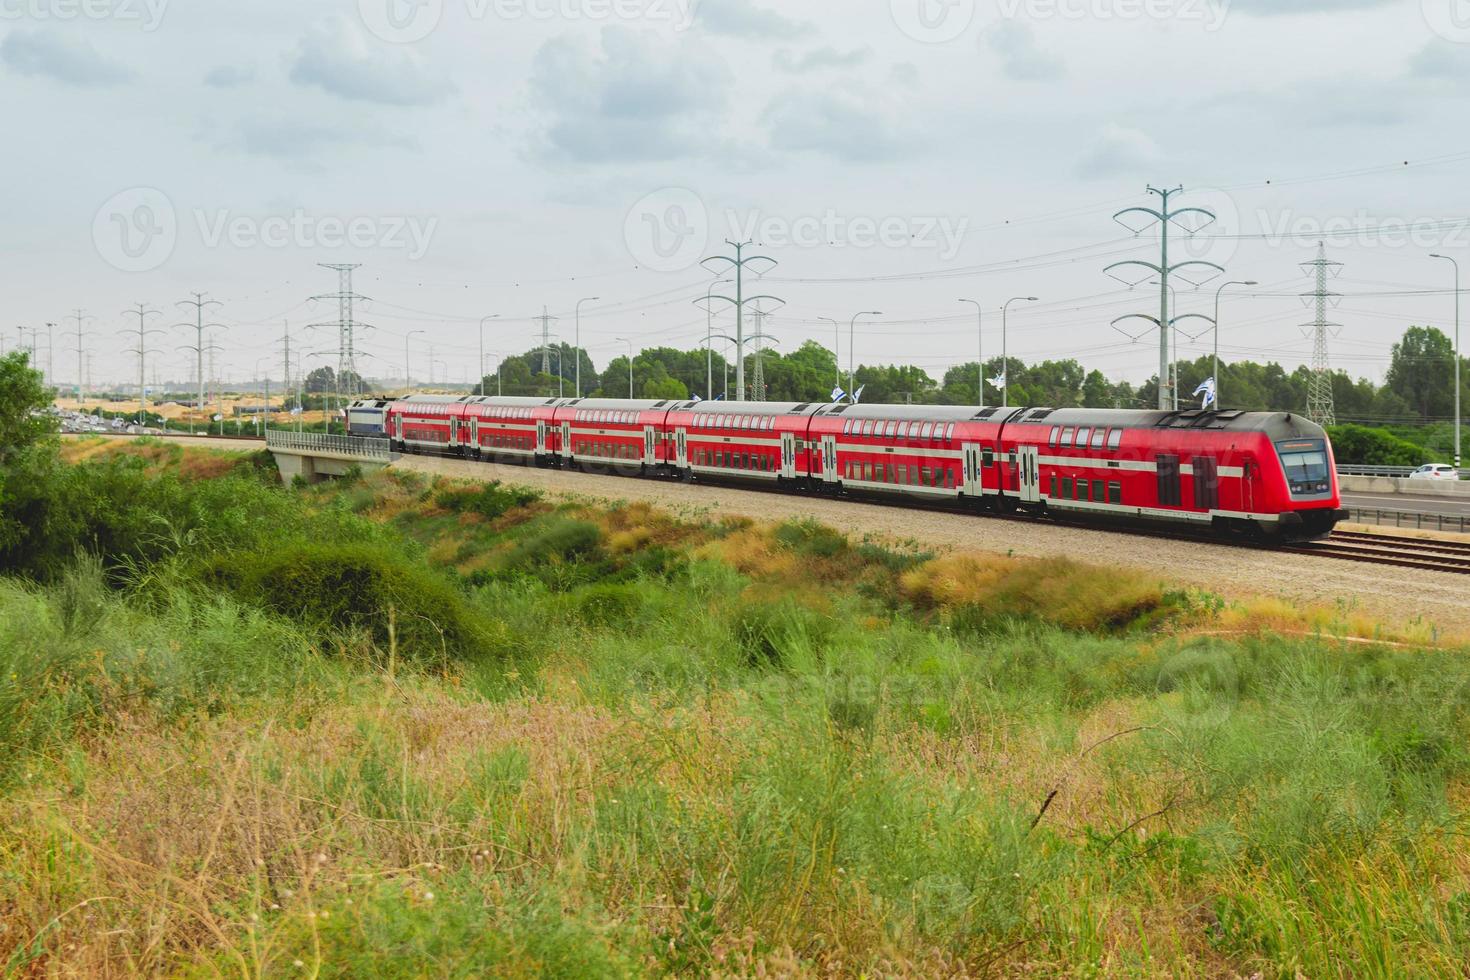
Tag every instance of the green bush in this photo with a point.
(489, 501)
(1358, 445)
(556, 539)
(361, 587)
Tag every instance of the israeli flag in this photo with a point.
(1207, 389)
(296, 410)
(857, 396)
(697, 399)
(838, 394)
(218, 417)
(999, 381)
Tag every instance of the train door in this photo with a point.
(681, 448)
(1248, 474)
(1028, 459)
(788, 455)
(650, 446)
(454, 431)
(829, 459)
(475, 432)
(974, 482)
(541, 436)
(566, 440)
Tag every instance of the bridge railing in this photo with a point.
(1458, 523)
(361, 447)
(1398, 472)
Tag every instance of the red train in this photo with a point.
(1257, 473)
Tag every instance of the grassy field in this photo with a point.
(402, 728)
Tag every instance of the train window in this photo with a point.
(1115, 438)
(1056, 432)
(1053, 485)
(1082, 435)
(1168, 474)
(1097, 490)
(949, 431)
(1115, 493)
(892, 429)
(1067, 436)
(987, 456)
(868, 427)
(1098, 435)
(1066, 487)
(927, 430)
(846, 426)
(1206, 483)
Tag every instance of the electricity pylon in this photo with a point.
(1320, 407)
(738, 263)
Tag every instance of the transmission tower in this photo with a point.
(80, 316)
(1320, 408)
(1164, 217)
(199, 304)
(142, 312)
(346, 327)
(546, 319)
(738, 263)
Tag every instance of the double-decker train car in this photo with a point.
(367, 417)
(1268, 473)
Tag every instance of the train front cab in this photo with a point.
(1302, 480)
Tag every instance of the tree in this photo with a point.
(321, 381)
(28, 459)
(1422, 371)
(23, 397)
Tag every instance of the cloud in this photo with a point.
(291, 139)
(1119, 150)
(228, 76)
(847, 126)
(821, 59)
(1015, 42)
(338, 57)
(50, 55)
(742, 19)
(630, 96)
(1267, 8)
(1441, 60)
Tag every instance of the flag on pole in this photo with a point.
(999, 381)
(857, 396)
(697, 399)
(1207, 389)
(838, 394)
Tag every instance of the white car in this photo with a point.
(1435, 471)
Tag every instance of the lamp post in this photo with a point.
(836, 346)
(407, 370)
(852, 346)
(493, 316)
(578, 339)
(630, 363)
(1215, 360)
(1005, 363)
(979, 347)
(1457, 356)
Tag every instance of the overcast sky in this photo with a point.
(486, 157)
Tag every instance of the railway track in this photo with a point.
(1390, 549)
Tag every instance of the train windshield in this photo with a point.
(1305, 462)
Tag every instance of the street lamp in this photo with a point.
(493, 316)
(980, 346)
(709, 327)
(578, 314)
(407, 370)
(630, 363)
(836, 346)
(851, 346)
(1457, 356)
(1005, 363)
(1215, 370)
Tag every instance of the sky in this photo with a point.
(491, 158)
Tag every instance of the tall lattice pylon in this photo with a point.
(1320, 408)
(346, 328)
(546, 319)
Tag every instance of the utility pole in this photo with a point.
(738, 263)
(494, 316)
(1164, 217)
(836, 345)
(142, 312)
(1320, 408)
(578, 314)
(407, 369)
(546, 320)
(1457, 355)
(199, 326)
(80, 316)
(630, 363)
(980, 347)
(346, 326)
(1005, 361)
(50, 354)
(852, 349)
(1215, 360)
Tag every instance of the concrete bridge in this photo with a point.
(314, 456)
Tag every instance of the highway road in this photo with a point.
(1409, 503)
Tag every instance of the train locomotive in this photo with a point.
(1268, 475)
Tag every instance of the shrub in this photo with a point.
(361, 587)
(807, 537)
(1359, 445)
(489, 501)
(557, 539)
